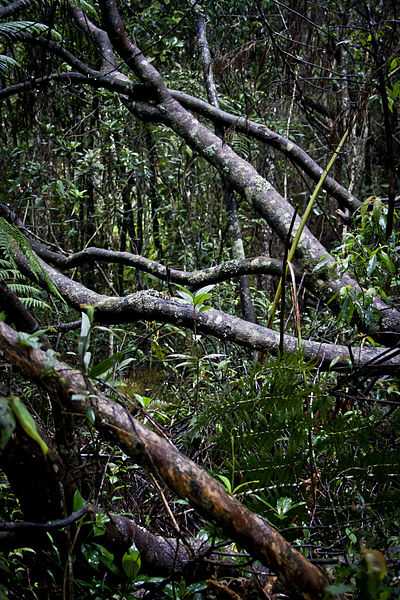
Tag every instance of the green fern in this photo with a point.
(7, 273)
(29, 295)
(14, 30)
(13, 242)
(35, 303)
(7, 63)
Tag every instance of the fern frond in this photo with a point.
(7, 63)
(14, 30)
(24, 289)
(8, 274)
(8, 271)
(30, 296)
(7, 2)
(35, 303)
(13, 242)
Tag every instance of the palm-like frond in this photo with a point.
(12, 243)
(29, 295)
(7, 63)
(14, 30)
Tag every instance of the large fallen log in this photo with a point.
(160, 456)
(152, 305)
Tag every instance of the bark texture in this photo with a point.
(159, 455)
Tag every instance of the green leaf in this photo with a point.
(226, 482)
(195, 588)
(12, 242)
(87, 357)
(105, 557)
(324, 263)
(244, 485)
(16, 29)
(84, 340)
(204, 308)
(144, 401)
(131, 562)
(125, 363)
(91, 415)
(371, 265)
(28, 340)
(201, 298)
(388, 263)
(92, 555)
(99, 526)
(7, 422)
(7, 63)
(204, 290)
(78, 502)
(85, 326)
(187, 297)
(285, 505)
(265, 502)
(351, 535)
(337, 359)
(27, 423)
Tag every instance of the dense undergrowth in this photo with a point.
(315, 452)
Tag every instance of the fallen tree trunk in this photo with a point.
(38, 483)
(266, 135)
(196, 279)
(241, 175)
(159, 455)
(155, 306)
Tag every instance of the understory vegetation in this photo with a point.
(199, 300)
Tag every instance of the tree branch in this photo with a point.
(50, 526)
(152, 305)
(241, 175)
(27, 469)
(140, 96)
(226, 271)
(109, 64)
(234, 228)
(262, 133)
(182, 475)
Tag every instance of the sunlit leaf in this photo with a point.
(131, 562)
